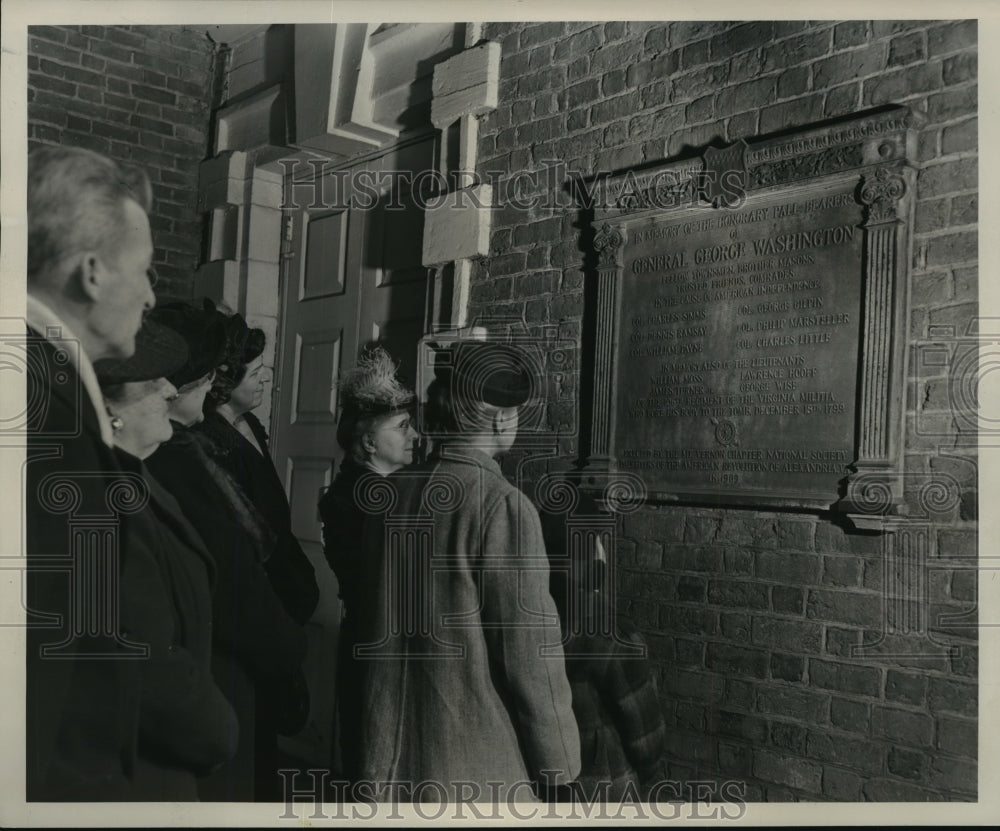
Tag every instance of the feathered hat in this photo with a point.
(369, 389)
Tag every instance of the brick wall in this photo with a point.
(135, 93)
(751, 615)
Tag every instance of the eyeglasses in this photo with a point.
(154, 278)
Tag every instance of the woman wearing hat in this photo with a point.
(255, 639)
(237, 441)
(376, 433)
(187, 727)
(474, 697)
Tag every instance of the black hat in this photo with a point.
(159, 352)
(243, 345)
(204, 331)
(495, 373)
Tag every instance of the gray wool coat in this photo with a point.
(466, 683)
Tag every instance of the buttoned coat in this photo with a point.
(466, 680)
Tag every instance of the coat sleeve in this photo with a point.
(250, 621)
(183, 715)
(523, 635)
(628, 690)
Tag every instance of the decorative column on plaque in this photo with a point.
(907, 564)
(92, 629)
(608, 244)
(880, 406)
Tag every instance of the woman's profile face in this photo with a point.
(186, 408)
(249, 393)
(389, 443)
(143, 407)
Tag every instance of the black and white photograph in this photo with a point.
(408, 419)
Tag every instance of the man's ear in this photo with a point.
(90, 275)
(501, 420)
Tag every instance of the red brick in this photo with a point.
(852, 716)
(738, 660)
(842, 100)
(860, 680)
(125, 37)
(793, 81)
(960, 68)
(694, 54)
(854, 754)
(961, 137)
(907, 49)
(805, 705)
(947, 696)
(905, 688)
(735, 760)
(953, 248)
(892, 87)
(796, 568)
(958, 737)
(57, 34)
(75, 74)
(735, 626)
(954, 774)
(44, 48)
(955, 103)
(787, 667)
(738, 725)
(534, 34)
(852, 33)
(787, 770)
(841, 786)
(743, 37)
(902, 726)
(842, 571)
(910, 764)
(951, 37)
(700, 82)
(846, 66)
(789, 635)
(737, 594)
(787, 599)
(797, 50)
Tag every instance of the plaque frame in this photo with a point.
(878, 147)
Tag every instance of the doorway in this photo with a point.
(352, 277)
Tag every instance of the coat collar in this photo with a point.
(469, 456)
(47, 324)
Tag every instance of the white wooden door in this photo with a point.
(352, 277)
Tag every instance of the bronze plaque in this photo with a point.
(738, 355)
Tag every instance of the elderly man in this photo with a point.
(89, 255)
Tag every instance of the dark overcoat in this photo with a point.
(255, 638)
(187, 728)
(356, 571)
(83, 693)
(292, 577)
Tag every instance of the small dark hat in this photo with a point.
(204, 331)
(243, 345)
(495, 373)
(159, 352)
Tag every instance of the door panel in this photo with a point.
(353, 277)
